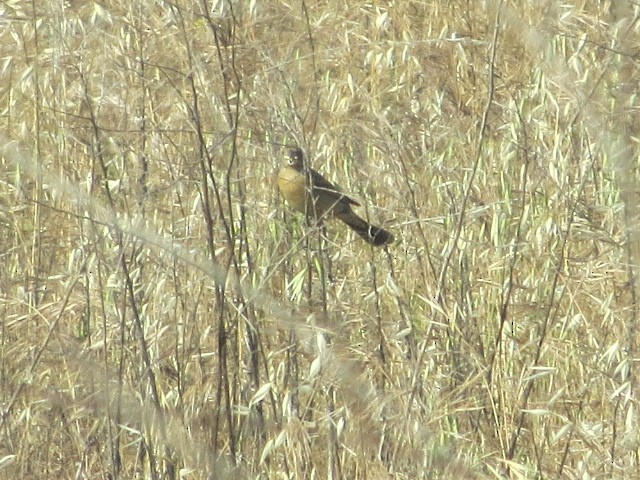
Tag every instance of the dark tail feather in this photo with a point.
(373, 235)
(376, 236)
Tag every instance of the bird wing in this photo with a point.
(322, 185)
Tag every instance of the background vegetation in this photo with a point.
(165, 315)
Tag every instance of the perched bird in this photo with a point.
(310, 193)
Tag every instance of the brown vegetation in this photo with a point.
(164, 314)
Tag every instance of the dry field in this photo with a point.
(164, 314)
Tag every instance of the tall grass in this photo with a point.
(164, 314)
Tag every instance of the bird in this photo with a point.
(306, 191)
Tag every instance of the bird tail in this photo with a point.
(373, 235)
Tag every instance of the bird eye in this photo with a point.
(294, 157)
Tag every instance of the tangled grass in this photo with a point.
(165, 315)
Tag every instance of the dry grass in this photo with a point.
(165, 315)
